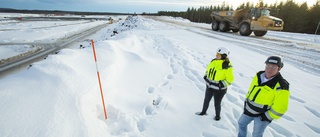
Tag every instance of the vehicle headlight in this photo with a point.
(277, 23)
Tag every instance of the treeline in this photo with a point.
(59, 12)
(297, 18)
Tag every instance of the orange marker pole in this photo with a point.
(95, 59)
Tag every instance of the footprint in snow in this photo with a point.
(242, 75)
(170, 76)
(164, 83)
(281, 130)
(231, 98)
(288, 118)
(207, 134)
(237, 88)
(314, 128)
(297, 99)
(174, 69)
(313, 111)
(236, 114)
(142, 124)
(151, 90)
(220, 125)
(233, 119)
(150, 110)
(157, 101)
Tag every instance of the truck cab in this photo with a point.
(261, 20)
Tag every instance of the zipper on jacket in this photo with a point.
(251, 90)
(255, 96)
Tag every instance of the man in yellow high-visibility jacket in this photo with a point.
(267, 98)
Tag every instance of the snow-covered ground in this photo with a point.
(19, 36)
(37, 31)
(151, 74)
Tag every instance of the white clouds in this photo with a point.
(64, 1)
(158, 2)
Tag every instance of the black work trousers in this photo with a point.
(218, 95)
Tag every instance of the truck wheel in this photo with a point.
(260, 33)
(245, 29)
(223, 26)
(215, 25)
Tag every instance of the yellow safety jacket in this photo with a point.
(219, 74)
(268, 100)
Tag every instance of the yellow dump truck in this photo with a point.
(245, 21)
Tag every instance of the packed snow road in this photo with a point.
(305, 58)
(305, 53)
(41, 48)
(28, 25)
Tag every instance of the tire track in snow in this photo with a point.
(304, 58)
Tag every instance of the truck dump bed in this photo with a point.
(230, 16)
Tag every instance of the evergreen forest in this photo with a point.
(298, 18)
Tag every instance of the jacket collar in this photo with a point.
(271, 83)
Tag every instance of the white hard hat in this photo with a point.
(223, 50)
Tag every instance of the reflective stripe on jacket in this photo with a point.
(269, 99)
(219, 75)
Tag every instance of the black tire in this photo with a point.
(215, 25)
(260, 33)
(223, 26)
(245, 29)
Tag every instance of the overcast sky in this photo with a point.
(122, 6)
